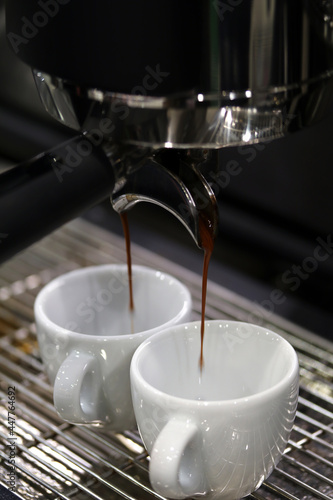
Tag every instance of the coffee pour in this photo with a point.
(124, 222)
(149, 89)
(193, 203)
(207, 237)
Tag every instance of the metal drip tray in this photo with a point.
(56, 460)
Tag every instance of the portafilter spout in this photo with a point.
(44, 193)
(172, 179)
(187, 91)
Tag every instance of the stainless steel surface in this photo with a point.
(264, 68)
(173, 180)
(56, 460)
(192, 120)
(257, 70)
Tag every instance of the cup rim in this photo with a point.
(291, 374)
(41, 316)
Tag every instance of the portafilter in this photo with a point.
(153, 90)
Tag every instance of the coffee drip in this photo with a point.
(207, 238)
(173, 180)
(207, 235)
(124, 221)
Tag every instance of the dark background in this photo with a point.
(271, 213)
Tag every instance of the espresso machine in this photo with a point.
(175, 104)
(152, 93)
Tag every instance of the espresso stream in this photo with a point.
(207, 241)
(124, 221)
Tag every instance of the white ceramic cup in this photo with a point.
(86, 341)
(219, 432)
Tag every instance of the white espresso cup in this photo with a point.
(218, 432)
(87, 336)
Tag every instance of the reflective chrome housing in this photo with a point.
(264, 69)
(188, 121)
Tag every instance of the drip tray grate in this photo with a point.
(56, 460)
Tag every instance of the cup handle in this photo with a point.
(176, 467)
(77, 389)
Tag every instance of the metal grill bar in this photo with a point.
(304, 467)
(278, 492)
(64, 457)
(56, 460)
(302, 484)
(42, 482)
(37, 417)
(313, 437)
